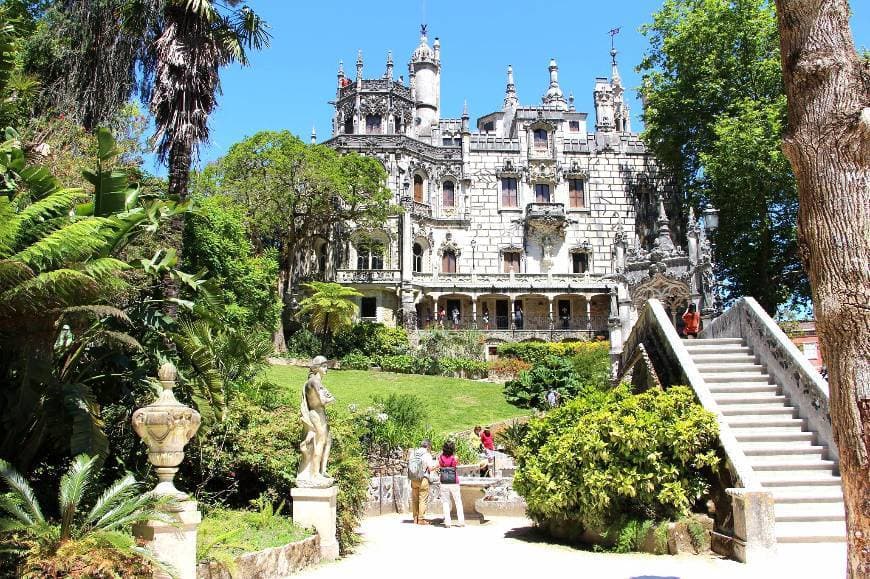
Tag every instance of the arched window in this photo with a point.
(540, 139)
(418, 258)
(373, 124)
(448, 190)
(348, 125)
(448, 262)
(418, 188)
(370, 254)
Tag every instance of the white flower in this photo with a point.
(351, 407)
(382, 417)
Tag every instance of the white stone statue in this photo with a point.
(317, 443)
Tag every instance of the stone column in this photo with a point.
(754, 520)
(550, 303)
(511, 307)
(588, 312)
(166, 426)
(474, 311)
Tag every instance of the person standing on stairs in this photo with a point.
(692, 319)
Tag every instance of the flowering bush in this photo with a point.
(507, 368)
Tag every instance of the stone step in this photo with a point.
(792, 447)
(712, 341)
(750, 398)
(782, 434)
(716, 378)
(807, 494)
(764, 421)
(712, 349)
(810, 532)
(797, 512)
(789, 462)
(760, 409)
(719, 368)
(736, 387)
(725, 358)
(793, 478)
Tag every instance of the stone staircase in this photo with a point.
(808, 499)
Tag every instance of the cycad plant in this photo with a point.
(83, 542)
(329, 308)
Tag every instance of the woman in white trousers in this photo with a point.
(448, 464)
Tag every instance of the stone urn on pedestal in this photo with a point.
(166, 426)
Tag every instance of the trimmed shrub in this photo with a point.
(464, 366)
(533, 351)
(304, 344)
(613, 455)
(356, 361)
(405, 364)
(371, 340)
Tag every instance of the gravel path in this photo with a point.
(508, 548)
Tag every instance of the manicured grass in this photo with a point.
(452, 404)
(226, 533)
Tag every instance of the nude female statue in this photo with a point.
(317, 443)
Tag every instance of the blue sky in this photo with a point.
(288, 85)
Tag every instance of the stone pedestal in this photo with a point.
(173, 544)
(313, 507)
(754, 534)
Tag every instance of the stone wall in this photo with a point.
(267, 564)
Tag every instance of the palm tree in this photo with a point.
(329, 308)
(197, 38)
(93, 542)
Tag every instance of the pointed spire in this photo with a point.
(465, 109)
(554, 95)
(389, 74)
(571, 101)
(510, 92)
(341, 79)
(465, 117)
(664, 241)
(313, 134)
(359, 66)
(614, 70)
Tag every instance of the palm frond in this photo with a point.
(87, 434)
(92, 310)
(73, 486)
(22, 490)
(120, 491)
(78, 241)
(49, 290)
(56, 204)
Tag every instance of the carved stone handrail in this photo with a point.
(673, 366)
(545, 210)
(804, 386)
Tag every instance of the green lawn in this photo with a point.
(453, 404)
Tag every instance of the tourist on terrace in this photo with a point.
(518, 317)
(692, 319)
(421, 465)
(448, 464)
(455, 315)
(441, 316)
(485, 318)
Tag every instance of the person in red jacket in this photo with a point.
(692, 319)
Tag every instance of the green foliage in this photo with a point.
(227, 533)
(468, 368)
(512, 436)
(552, 372)
(533, 351)
(438, 344)
(254, 452)
(631, 535)
(371, 340)
(617, 455)
(405, 364)
(304, 344)
(87, 541)
(356, 361)
(714, 118)
(508, 368)
(329, 308)
(216, 239)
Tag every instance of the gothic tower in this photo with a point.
(425, 73)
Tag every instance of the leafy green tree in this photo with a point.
(329, 309)
(84, 542)
(217, 239)
(711, 72)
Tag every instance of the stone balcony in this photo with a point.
(526, 282)
(378, 276)
(546, 219)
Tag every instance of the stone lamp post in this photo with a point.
(166, 426)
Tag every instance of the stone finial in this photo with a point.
(389, 74)
(313, 135)
(571, 101)
(465, 109)
(166, 426)
(510, 92)
(359, 67)
(554, 95)
(436, 46)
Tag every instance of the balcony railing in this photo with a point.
(595, 323)
(508, 281)
(368, 276)
(421, 209)
(545, 210)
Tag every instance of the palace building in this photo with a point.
(534, 222)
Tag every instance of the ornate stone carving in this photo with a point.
(449, 245)
(317, 443)
(671, 292)
(165, 426)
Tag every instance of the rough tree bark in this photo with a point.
(828, 145)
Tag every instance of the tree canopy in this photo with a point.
(714, 116)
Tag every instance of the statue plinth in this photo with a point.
(315, 507)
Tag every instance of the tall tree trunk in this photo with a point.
(828, 144)
(179, 170)
(279, 344)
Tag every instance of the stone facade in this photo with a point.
(528, 211)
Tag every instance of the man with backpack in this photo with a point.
(421, 465)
